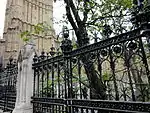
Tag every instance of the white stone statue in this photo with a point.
(25, 80)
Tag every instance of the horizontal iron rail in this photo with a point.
(107, 42)
(104, 105)
(48, 61)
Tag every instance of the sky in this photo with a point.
(2, 17)
(58, 12)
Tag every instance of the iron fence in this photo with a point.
(51, 105)
(115, 70)
(8, 79)
(109, 76)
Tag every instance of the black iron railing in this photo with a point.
(110, 76)
(121, 64)
(8, 79)
(51, 105)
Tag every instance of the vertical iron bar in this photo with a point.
(7, 87)
(79, 73)
(62, 89)
(112, 65)
(34, 82)
(144, 58)
(53, 85)
(68, 79)
(70, 91)
(124, 93)
(38, 82)
(52, 79)
(127, 63)
(65, 77)
(42, 81)
(71, 85)
(99, 65)
(58, 74)
(131, 84)
(47, 79)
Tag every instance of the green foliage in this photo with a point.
(25, 36)
(106, 76)
(74, 46)
(40, 28)
(123, 3)
(97, 13)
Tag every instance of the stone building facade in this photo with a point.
(2, 48)
(22, 15)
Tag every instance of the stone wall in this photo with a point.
(2, 48)
(22, 15)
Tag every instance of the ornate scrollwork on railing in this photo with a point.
(115, 69)
(108, 42)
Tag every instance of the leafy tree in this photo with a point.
(86, 16)
(39, 29)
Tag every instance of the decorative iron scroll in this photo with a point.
(107, 42)
(47, 60)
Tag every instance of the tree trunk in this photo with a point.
(97, 87)
(79, 27)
